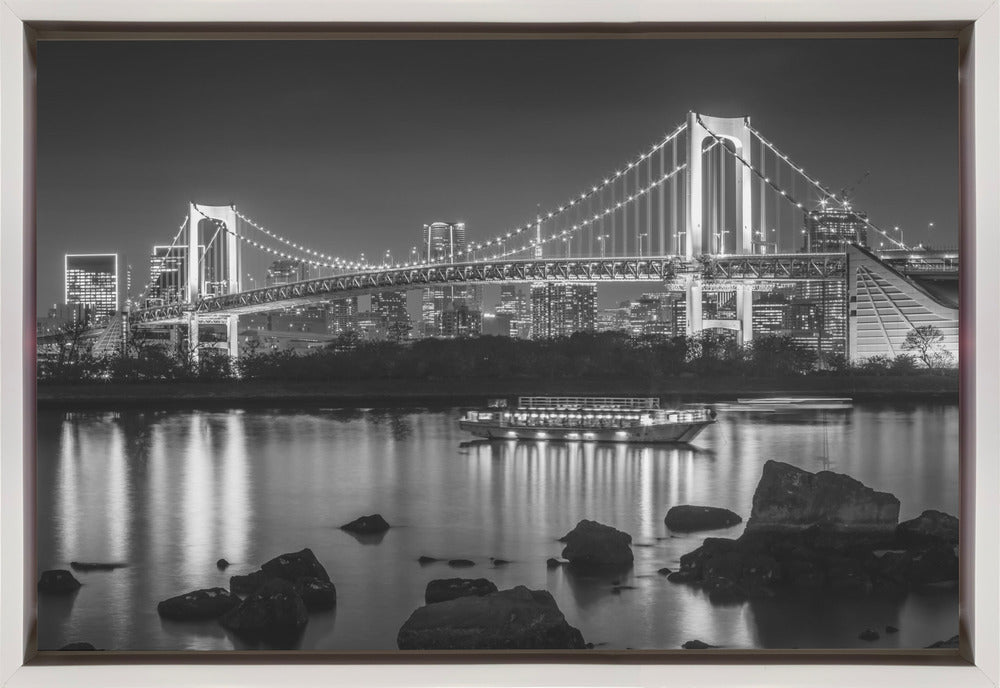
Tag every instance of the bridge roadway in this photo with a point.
(789, 267)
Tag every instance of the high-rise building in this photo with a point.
(286, 272)
(343, 315)
(559, 309)
(458, 321)
(771, 313)
(828, 301)
(91, 282)
(830, 230)
(167, 274)
(443, 242)
(514, 310)
(389, 308)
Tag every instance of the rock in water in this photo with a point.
(697, 645)
(244, 585)
(274, 612)
(199, 604)
(461, 563)
(222, 564)
(789, 498)
(445, 589)
(78, 647)
(937, 564)
(424, 559)
(664, 571)
(552, 563)
(515, 619)
(316, 594)
(295, 565)
(594, 544)
(57, 582)
(687, 519)
(367, 525)
(929, 528)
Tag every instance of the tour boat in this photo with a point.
(597, 419)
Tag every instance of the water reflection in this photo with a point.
(172, 492)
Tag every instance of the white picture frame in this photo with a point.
(980, 224)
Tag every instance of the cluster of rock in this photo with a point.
(279, 597)
(823, 531)
(514, 619)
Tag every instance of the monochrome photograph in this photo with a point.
(566, 345)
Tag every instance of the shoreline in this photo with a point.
(474, 391)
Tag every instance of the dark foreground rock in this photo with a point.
(367, 525)
(594, 544)
(295, 565)
(697, 645)
(688, 519)
(461, 563)
(515, 619)
(929, 528)
(274, 612)
(96, 566)
(57, 582)
(77, 647)
(317, 595)
(816, 532)
(445, 589)
(790, 498)
(209, 603)
(552, 563)
(244, 585)
(951, 644)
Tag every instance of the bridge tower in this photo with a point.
(733, 130)
(213, 268)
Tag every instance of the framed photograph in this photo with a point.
(594, 351)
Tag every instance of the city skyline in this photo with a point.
(425, 170)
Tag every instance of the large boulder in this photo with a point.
(687, 519)
(367, 525)
(295, 565)
(445, 589)
(789, 498)
(273, 612)
(937, 564)
(246, 584)
(57, 582)
(317, 595)
(515, 619)
(594, 544)
(199, 604)
(929, 528)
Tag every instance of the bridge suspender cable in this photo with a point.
(155, 278)
(782, 192)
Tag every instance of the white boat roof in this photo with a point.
(618, 403)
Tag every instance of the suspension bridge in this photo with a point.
(712, 206)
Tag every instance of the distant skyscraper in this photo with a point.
(443, 242)
(829, 230)
(559, 309)
(167, 274)
(458, 321)
(389, 307)
(771, 313)
(91, 282)
(286, 272)
(343, 314)
(514, 310)
(828, 301)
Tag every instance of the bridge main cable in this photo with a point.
(576, 200)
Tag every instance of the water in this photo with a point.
(170, 492)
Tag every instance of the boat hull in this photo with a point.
(669, 432)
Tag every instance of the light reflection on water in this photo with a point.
(171, 492)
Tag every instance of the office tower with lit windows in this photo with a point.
(827, 302)
(559, 309)
(443, 242)
(771, 314)
(91, 284)
(343, 315)
(513, 309)
(459, 321)
(389, 309)
(167, 275)
(830, 230)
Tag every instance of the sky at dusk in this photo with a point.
(351, 146)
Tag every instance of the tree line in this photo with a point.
(583, 354)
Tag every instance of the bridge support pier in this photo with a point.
(744, 312)
(693, 305)
(233, 336)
